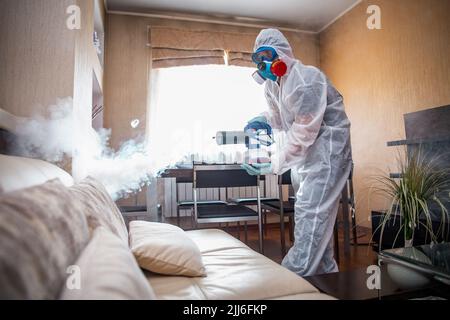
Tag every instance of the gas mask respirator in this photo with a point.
(269, 65)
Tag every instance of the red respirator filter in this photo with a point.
(278, 68)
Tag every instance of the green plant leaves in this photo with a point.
(421, 184)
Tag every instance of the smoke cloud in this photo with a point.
(48, 135)
(52, 135)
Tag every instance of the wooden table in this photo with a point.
(184, 175)
(181, 174)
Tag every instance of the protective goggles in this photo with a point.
(264, 54)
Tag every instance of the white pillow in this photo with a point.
(165, 249)
(108, 271)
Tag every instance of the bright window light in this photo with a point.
(190, 104)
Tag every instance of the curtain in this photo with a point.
(179, 47)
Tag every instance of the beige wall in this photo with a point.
(383, 74)
(126, 76)
(42, 60)
(36, 54)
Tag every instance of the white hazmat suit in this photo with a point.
(317, 150)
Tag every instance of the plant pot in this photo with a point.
(408, 243)
(407, 278)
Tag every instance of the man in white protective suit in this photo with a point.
(305, 105)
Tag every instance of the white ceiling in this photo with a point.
(310, 15)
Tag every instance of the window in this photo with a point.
(190, 104)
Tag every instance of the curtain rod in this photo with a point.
(212, 20)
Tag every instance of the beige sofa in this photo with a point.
(233, 270)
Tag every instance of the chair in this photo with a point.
(252, 201)
(348, 198)
(189, 204)
(226, 176)
(352, 205)
(283, 207)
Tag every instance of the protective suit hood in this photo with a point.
(275, 39)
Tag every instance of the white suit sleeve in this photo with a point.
(308, 103)
(273, 114)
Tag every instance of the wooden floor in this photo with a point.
(358, 257)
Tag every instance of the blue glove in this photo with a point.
(258, 169)
(257, 124)
(258, 119)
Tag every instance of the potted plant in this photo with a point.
(420, 185)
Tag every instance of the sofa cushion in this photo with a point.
(42, 232)
(165, 249)
(108, 270)
(100, 209)
(233, 271)
(18, 173)
(306, 296)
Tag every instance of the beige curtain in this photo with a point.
(179, 47)
(243, 59)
